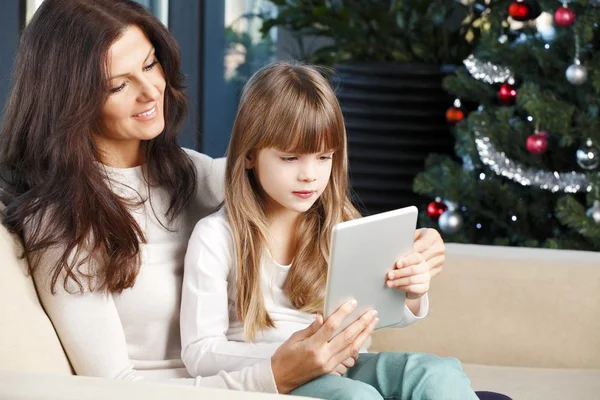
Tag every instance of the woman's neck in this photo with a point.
(120, 154)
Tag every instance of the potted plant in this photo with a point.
(390, 58)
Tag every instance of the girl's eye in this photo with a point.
(289, 158)
(119, 88)
(149, 67)
(326, 157)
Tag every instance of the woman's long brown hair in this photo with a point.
(55, 191)
(291, 107)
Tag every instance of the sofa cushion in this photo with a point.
(536, 383)
(509, 306)
(14, 386)
(28, 341)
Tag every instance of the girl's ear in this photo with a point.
(249, 161)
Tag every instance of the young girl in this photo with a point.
(255, 271)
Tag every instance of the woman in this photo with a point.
(104, 199)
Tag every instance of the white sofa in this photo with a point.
(526, 322)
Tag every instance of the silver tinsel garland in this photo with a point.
(486, 71)
(554, 181)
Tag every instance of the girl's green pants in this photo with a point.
(394, 376)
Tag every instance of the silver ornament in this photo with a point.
(576, 73)
(594, 212)
(451, 221)
(588, 156)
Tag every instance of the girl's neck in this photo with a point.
(282, 236)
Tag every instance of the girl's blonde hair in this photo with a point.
(293, 108)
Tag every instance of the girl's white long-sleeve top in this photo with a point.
(212, 337)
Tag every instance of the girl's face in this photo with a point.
(291, 182)
(134, 110)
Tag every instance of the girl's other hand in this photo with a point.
(411, 275)
(429, 243)
(344, 366)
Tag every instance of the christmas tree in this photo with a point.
(527, 115)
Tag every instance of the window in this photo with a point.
(228, 69)
(160, 8)
(30, 8)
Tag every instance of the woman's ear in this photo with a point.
(249, 161)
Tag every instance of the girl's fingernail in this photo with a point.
(391, 275)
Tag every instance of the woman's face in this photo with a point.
(134, 110)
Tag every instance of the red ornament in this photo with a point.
(538, 142)
(519, 11)
(564, 17)
(454, 115)
(507, 94)
(435, 209)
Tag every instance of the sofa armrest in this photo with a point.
(26, 386)
(509, 306)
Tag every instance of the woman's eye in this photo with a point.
(289, 158)
(149, 67)
(325, 158)
(118, 88)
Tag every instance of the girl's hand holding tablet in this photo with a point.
(411, 275)
(311, 352)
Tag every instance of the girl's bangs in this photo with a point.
(308, 129)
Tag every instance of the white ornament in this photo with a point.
(451, 221)
(576, 73)
(588, 156)
(594, 212)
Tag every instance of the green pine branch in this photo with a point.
(572, 214)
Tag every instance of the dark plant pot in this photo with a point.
(395, 117)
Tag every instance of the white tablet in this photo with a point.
(363, 251)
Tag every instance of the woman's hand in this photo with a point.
(311, 352)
